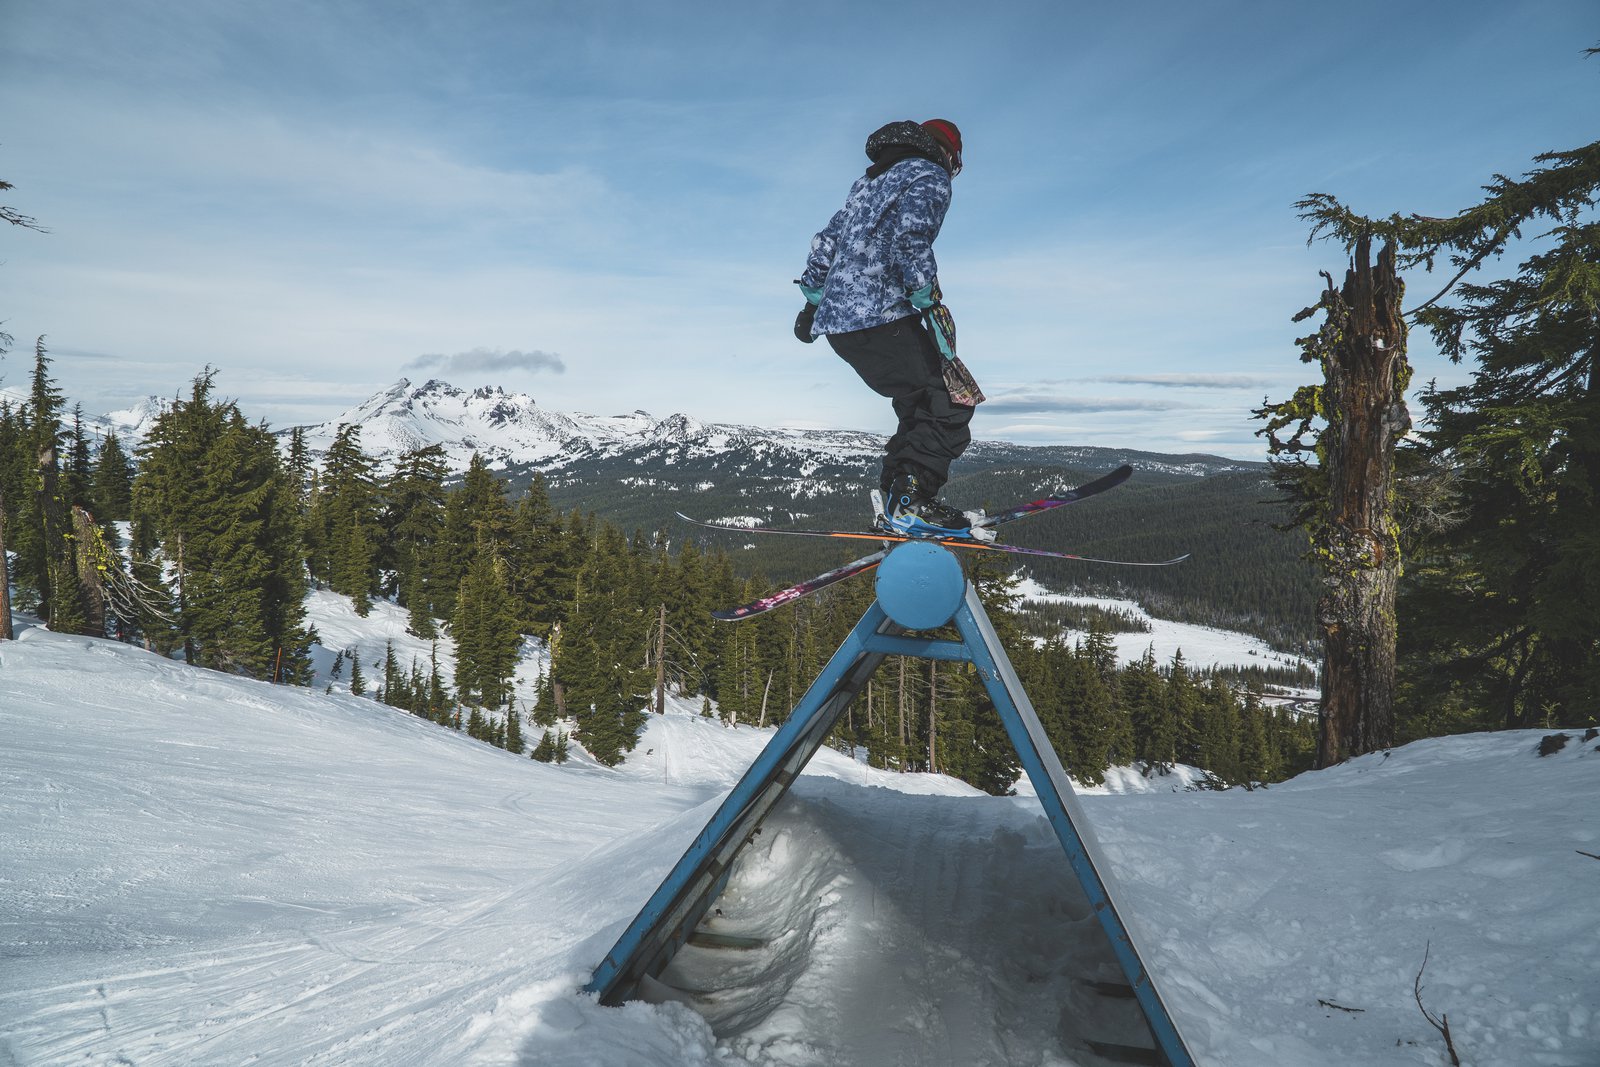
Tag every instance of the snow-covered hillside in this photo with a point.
(1202, 646)
(200, 870)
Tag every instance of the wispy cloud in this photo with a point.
(1190, 381)
(489, 360)
(1051, 403)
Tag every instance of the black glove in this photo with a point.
(802, 322)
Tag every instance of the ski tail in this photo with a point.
(800, 589)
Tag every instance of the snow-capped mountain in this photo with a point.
(133, 424)
(130, 424)
(501, 427)
(511, 430)
(513, 433)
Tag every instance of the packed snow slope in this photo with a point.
(202, 870)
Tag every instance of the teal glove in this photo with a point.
(813, 296)
(924, 298)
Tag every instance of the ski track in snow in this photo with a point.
(197, 869)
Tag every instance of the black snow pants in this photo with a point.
(899, 360)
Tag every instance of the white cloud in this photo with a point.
(491, 360)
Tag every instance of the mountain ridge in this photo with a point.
(637, 470)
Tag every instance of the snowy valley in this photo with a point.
(201, 869)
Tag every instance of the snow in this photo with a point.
(201, 869)
(1202, 646)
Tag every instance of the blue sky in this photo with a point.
(604, 204)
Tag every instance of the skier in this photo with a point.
(870, 277)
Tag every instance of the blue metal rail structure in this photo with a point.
(920, 586)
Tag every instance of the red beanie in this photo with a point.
(944, 131)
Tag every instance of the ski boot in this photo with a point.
(910, 509)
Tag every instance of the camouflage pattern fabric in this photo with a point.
(878, 247)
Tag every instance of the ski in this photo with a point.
(800, 589)
(948, 542)
(1022, 511)
(988, 522)
(1018, 550)
(866, 563)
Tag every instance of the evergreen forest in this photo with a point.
(204, 543)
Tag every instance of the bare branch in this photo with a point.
(1339, 1007)
(17, 218)
(1440, 1023)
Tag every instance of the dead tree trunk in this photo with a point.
(91, 581)
(1362, 348)
(661, 662)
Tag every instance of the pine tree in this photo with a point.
(513, 741)
(1217, 740)
(1155, 733)
(413, 517)
(78, 471)
(439, 700)
(41, 536)
(111, 486)
(597, 661)
(484, 629)
(477, 519)
(1257, 760)
(1090, 719)
(212, 506)
(394, 692)
(343, 550)
(1504, 606)
(358, 680)
(545, 750)
(544, 708)
(535, 552)
(298, 466)
(1183, 710)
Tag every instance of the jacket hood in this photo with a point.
(896, 141)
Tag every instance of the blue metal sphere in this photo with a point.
(920, 585)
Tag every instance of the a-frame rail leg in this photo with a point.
(672, 913)
(1065, 813)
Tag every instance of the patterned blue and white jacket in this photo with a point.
(878, 247)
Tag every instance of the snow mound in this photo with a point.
(202, 869)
